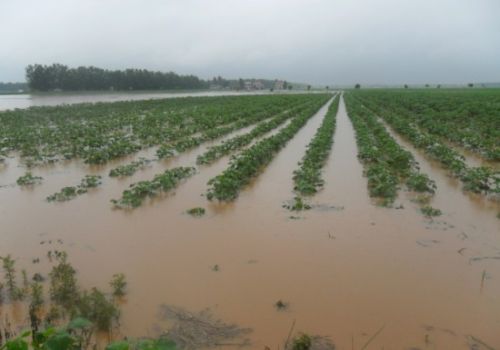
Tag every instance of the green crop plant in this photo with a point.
(248, 164)
(387, 165)
(429, 211)
(439, 122)
(99, 133)
(118, 284)
(29, 180)
(161, 183)
(197, 211)
(70, 192)
(129, 169)
(307, 178)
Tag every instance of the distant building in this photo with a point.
(279, 84)
(253, 84)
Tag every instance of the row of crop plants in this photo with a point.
(307, 179)
(387, 165)
(482, 180)
(468, 118)
(168, 150)
(250, 162)
(168, 180)
(238, 142)
(97, 133)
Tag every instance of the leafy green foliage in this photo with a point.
(297, 204)
(8, 264)
(196, 211)
(63, 287)
(248, 164)
(387, 165)
(68, 193)
(129, 169)
(161, 183)
(118, 284)
(430, 211)
(238, 142)
(307, 178)
(97, 308)
(98, 133)
(432, 120)
(302, 342)
(29, 180)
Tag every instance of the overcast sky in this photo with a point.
(316, 41)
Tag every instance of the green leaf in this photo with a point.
(17, 344)
(118, 345)
(79, 323)
(59, 341)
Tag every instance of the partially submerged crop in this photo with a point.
(387, 165)
(161, 183)
(196, 211)
(129, 169)
(68, 193)
(302, 342)
(249, 163)
(307, 178)
(118, 284)
(429, 211)
(297, 204)
(29, 180)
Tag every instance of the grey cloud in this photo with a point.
(317, 41)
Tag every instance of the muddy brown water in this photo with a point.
(344, 272)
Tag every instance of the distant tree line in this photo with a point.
(60, 77)
(12, 87)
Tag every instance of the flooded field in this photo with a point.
(53, 99)
(364, 275)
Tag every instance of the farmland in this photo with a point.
(368, 216)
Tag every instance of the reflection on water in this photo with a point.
(345, 273)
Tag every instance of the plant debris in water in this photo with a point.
(68, 193)
(29, 180)
(201, 330)
(281, 305)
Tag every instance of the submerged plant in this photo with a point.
(196, 211)
(68, 193)
(10, 278)
(118, 284)
(281, 305)
(29, 180)
(297, 204)
(302, 342)
(430, 211)
(161, 183)
(129, 169)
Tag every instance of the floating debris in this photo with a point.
(201, 330)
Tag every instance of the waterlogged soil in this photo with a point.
(347, 269)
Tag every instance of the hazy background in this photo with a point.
(316, 41)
